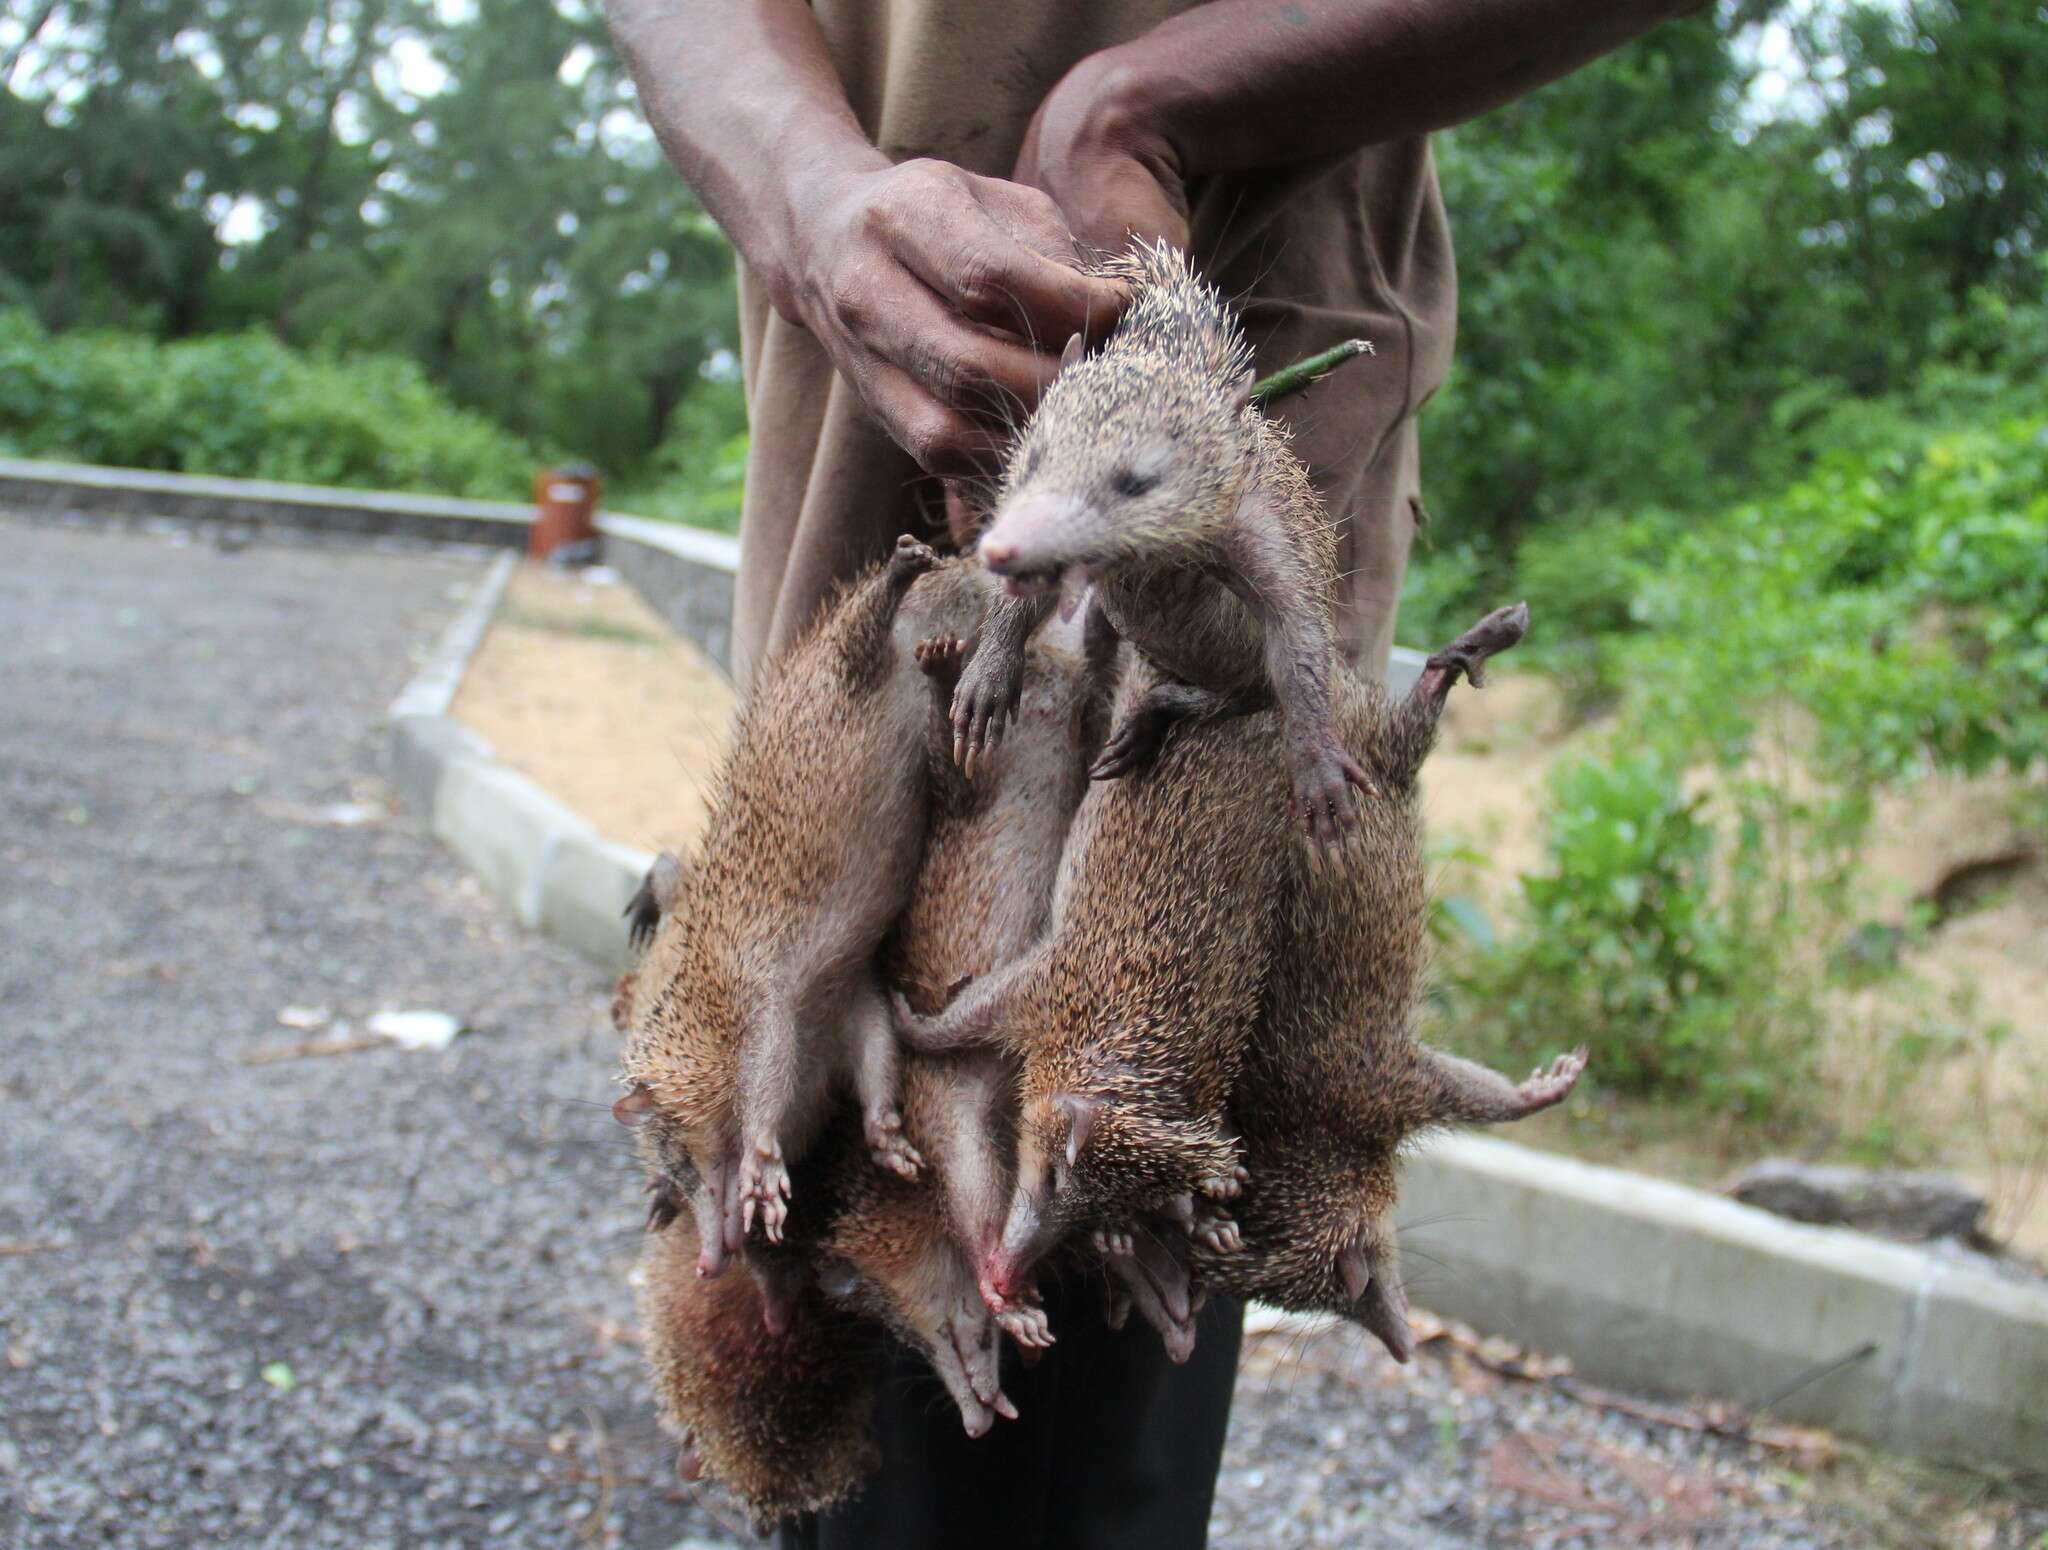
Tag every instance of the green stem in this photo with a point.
(1289, 380)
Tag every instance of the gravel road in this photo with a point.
(379, 1298)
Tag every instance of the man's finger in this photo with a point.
(962, 367)
(984, 273)
(942, 440)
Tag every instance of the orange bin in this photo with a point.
(565, 508)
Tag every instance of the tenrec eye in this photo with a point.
(1130, 484)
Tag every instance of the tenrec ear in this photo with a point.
(1241, 389)
(1083, 1111)
(1372, 1279)
(1076, 347)
(636, 1108)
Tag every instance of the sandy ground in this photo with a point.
(585, 689)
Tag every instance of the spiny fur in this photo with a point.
(1172, 377)
(1328, 1088)
(980, 900)
(897, 1239)
(780, 1420)
(816, 825)
(1147, 469)
(992, 847)
(1144, 989)
(1335, 1080)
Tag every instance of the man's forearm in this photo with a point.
(744, 99)
(1248, 83)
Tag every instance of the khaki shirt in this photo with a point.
(1349, 246)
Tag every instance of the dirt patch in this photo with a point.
(585, 689)
(1484, 784)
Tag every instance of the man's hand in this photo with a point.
(945, 298)
(1111, 173)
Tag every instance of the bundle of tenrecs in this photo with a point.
(1023, 938)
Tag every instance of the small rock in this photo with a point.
(1912, 1206)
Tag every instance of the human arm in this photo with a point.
(1235, 84)
(929, 287)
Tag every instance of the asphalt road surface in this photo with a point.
(256, 1295)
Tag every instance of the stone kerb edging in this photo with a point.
(1656, 1285)
(551, 866)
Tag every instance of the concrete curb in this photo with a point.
(1656, 1285)
(432, 689)
(552, 867)
(1643, 1283)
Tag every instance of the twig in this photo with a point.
(593, 1526)
(10, 1247)
(1289, 380)
(1739, 1423)
(312, 1048)
(1811, 1375)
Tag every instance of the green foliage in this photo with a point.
(1897, 602)
(468, 187)
(244, 405)
(1775, 667)
(1661, 284)
(1627, 942)
(1446, 588)
(1672, 293)
(700, 471)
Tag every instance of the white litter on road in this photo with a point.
(416, 1030)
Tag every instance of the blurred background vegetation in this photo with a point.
(1750, 403)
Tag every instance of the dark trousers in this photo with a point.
(1114, 1446)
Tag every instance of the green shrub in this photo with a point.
(1882, 616)
(1627, 942)
(1445, 589)
(1584, 582)
(699, 474)
(244, 405)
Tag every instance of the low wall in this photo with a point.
(685, 575)
(78, 490)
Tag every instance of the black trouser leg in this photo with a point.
(1114, 1446)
